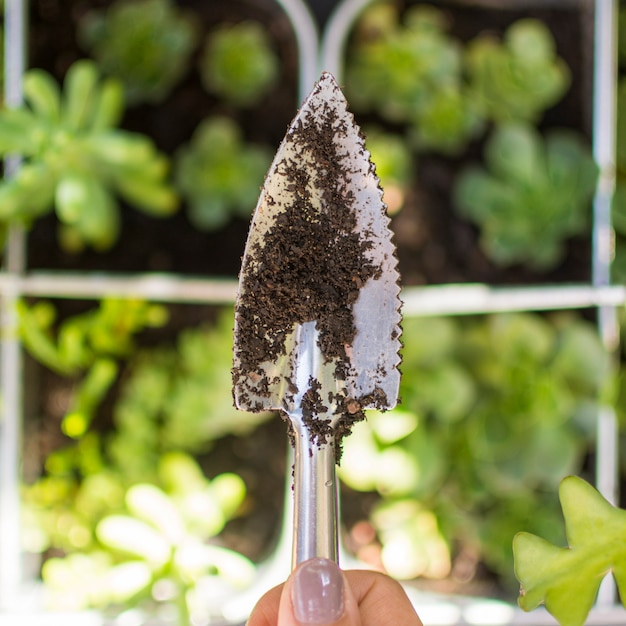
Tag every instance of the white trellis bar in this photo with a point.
(454, 299)
(10, 353)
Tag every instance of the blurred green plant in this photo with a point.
(531, 196)
(127, 517)
(146, 44)
(394, 165)
(220, 175)
(495, 411)
(178, 399)
(76, 160)
(412, 72)
(567, 579)
(518, 78)
(144, 545)
(239, 64)
(88, 345)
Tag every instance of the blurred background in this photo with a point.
(136, 136)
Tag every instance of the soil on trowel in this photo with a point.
(310, 266)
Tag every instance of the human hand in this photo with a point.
(319, 593)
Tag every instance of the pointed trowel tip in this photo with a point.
(327, 76)
(325, 87)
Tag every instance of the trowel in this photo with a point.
(317, 315)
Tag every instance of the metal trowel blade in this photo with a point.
(319, 263)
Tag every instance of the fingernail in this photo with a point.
(317, 592)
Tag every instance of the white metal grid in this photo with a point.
(316, 52)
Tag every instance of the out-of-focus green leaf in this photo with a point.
(134, 537)
(150, 504)
(412, 543)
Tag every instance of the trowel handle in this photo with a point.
(315, 501)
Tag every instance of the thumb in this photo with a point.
(317, 593)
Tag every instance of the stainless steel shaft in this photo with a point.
(315, 501)
(315, 483)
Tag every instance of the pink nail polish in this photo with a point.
(317, 592)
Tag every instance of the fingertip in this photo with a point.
(318, 594)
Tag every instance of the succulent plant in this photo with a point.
(146, 44)
(218, 174)
(531, 197)
(149, 550)
(238, 63)
(495, 410)
(75, 160)
(412, 72)
(518, 78)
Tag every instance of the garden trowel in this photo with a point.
(317, 313)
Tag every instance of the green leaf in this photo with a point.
(392, 426)
(132, 536)
(121, 148)
(43, 95)
(29, 193)
(154, 197)
(108, 106)
(80, 89)
(99, 223)
(88, 397)
(72, 197)
(154, 506)
(181, 474)
(229, 491)
(515, 153)
(84, 203)
(127, 580)
(35, 333)
(20, 132)
(566, 580)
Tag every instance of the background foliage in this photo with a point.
(495, 409)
